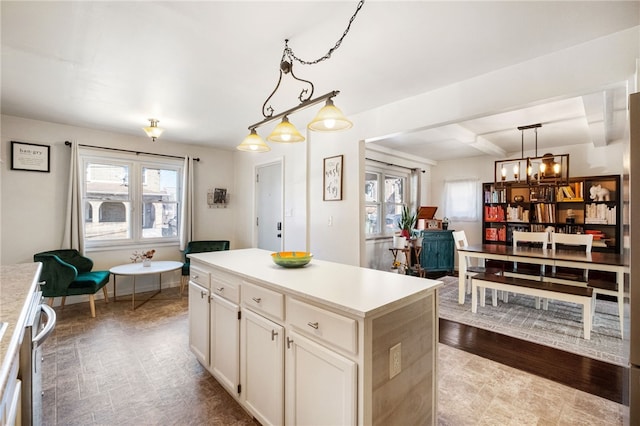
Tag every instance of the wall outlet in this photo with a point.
(395, 360)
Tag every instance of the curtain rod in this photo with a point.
(127, 150)
(395, 165)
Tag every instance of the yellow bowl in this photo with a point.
(291, 259)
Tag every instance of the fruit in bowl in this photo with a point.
(291, 259)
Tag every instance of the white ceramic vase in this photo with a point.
(399, 241)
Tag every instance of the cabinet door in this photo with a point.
(199, 322)
(263, 368)
(225, 343)
(321, 384)
(445, 258)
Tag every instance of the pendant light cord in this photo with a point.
(289, 52)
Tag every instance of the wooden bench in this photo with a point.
(563, 292)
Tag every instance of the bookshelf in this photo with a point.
(584, 205)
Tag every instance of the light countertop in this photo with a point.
(359, 291)
(17, 284)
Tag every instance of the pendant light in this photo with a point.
(253, 143)
(328, 119)
(285, 132)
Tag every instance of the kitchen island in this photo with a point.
(326, 343)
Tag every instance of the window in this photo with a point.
(462, 200)
(130, 201)
(385, 196)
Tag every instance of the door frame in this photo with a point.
(257, 166)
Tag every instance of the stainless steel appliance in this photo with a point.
(36, 332)
(634, 275)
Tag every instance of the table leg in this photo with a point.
(620, 279)
(462, 275)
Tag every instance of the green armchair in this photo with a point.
(68, 273)
(199, 247)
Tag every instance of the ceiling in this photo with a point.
(204, 69)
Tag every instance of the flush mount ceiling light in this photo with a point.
(328, 119)
(152, 130)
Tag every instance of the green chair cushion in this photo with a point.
(67, 273)
(202, 247)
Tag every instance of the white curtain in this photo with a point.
(186, 224)
(462, 200)
(72, 237)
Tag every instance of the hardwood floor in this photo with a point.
(586, 374)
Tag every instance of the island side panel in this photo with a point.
(409, 397)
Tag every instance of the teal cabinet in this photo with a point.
(437, 251)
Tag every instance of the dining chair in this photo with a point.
(532, 239)
(460, 239)
(600, 286)
(571, 241)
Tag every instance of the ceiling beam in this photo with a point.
(483, 145)
(598, 108)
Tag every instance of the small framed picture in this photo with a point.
(332, 180)
(30, 156)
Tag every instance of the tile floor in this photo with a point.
(134, 368)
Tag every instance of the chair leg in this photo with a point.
(92, 305)
(183, 280)
(64, 299)
(106, 294)
(51, 301)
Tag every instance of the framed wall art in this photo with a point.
(30, 156)
(332, 180)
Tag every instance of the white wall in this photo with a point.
(294, 164)
(33, 217)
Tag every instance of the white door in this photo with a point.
(269, 206)
(321, 384)
(263, 368)
(199, 322)
(225, 343)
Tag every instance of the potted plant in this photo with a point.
(407, 222)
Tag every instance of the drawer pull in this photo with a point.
(220, 289)
(256, 299)
(289, 342)
(202, 294)
(273, 335)
(195, 276)
(313, 324)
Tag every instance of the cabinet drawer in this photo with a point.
(199, 276)
(332, 328)
(263, 300)
(226, 286)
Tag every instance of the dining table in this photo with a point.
(594, 261)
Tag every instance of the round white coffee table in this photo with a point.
(135, 269)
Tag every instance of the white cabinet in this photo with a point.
(199, 322)
(320, 384)
(314, 344)
(263, 368)
(225, 342)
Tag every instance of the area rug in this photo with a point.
(559, 327)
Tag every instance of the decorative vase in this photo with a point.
(146, 263)
(399, 241)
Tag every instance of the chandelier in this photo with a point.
(328, 119)
(548, 169)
